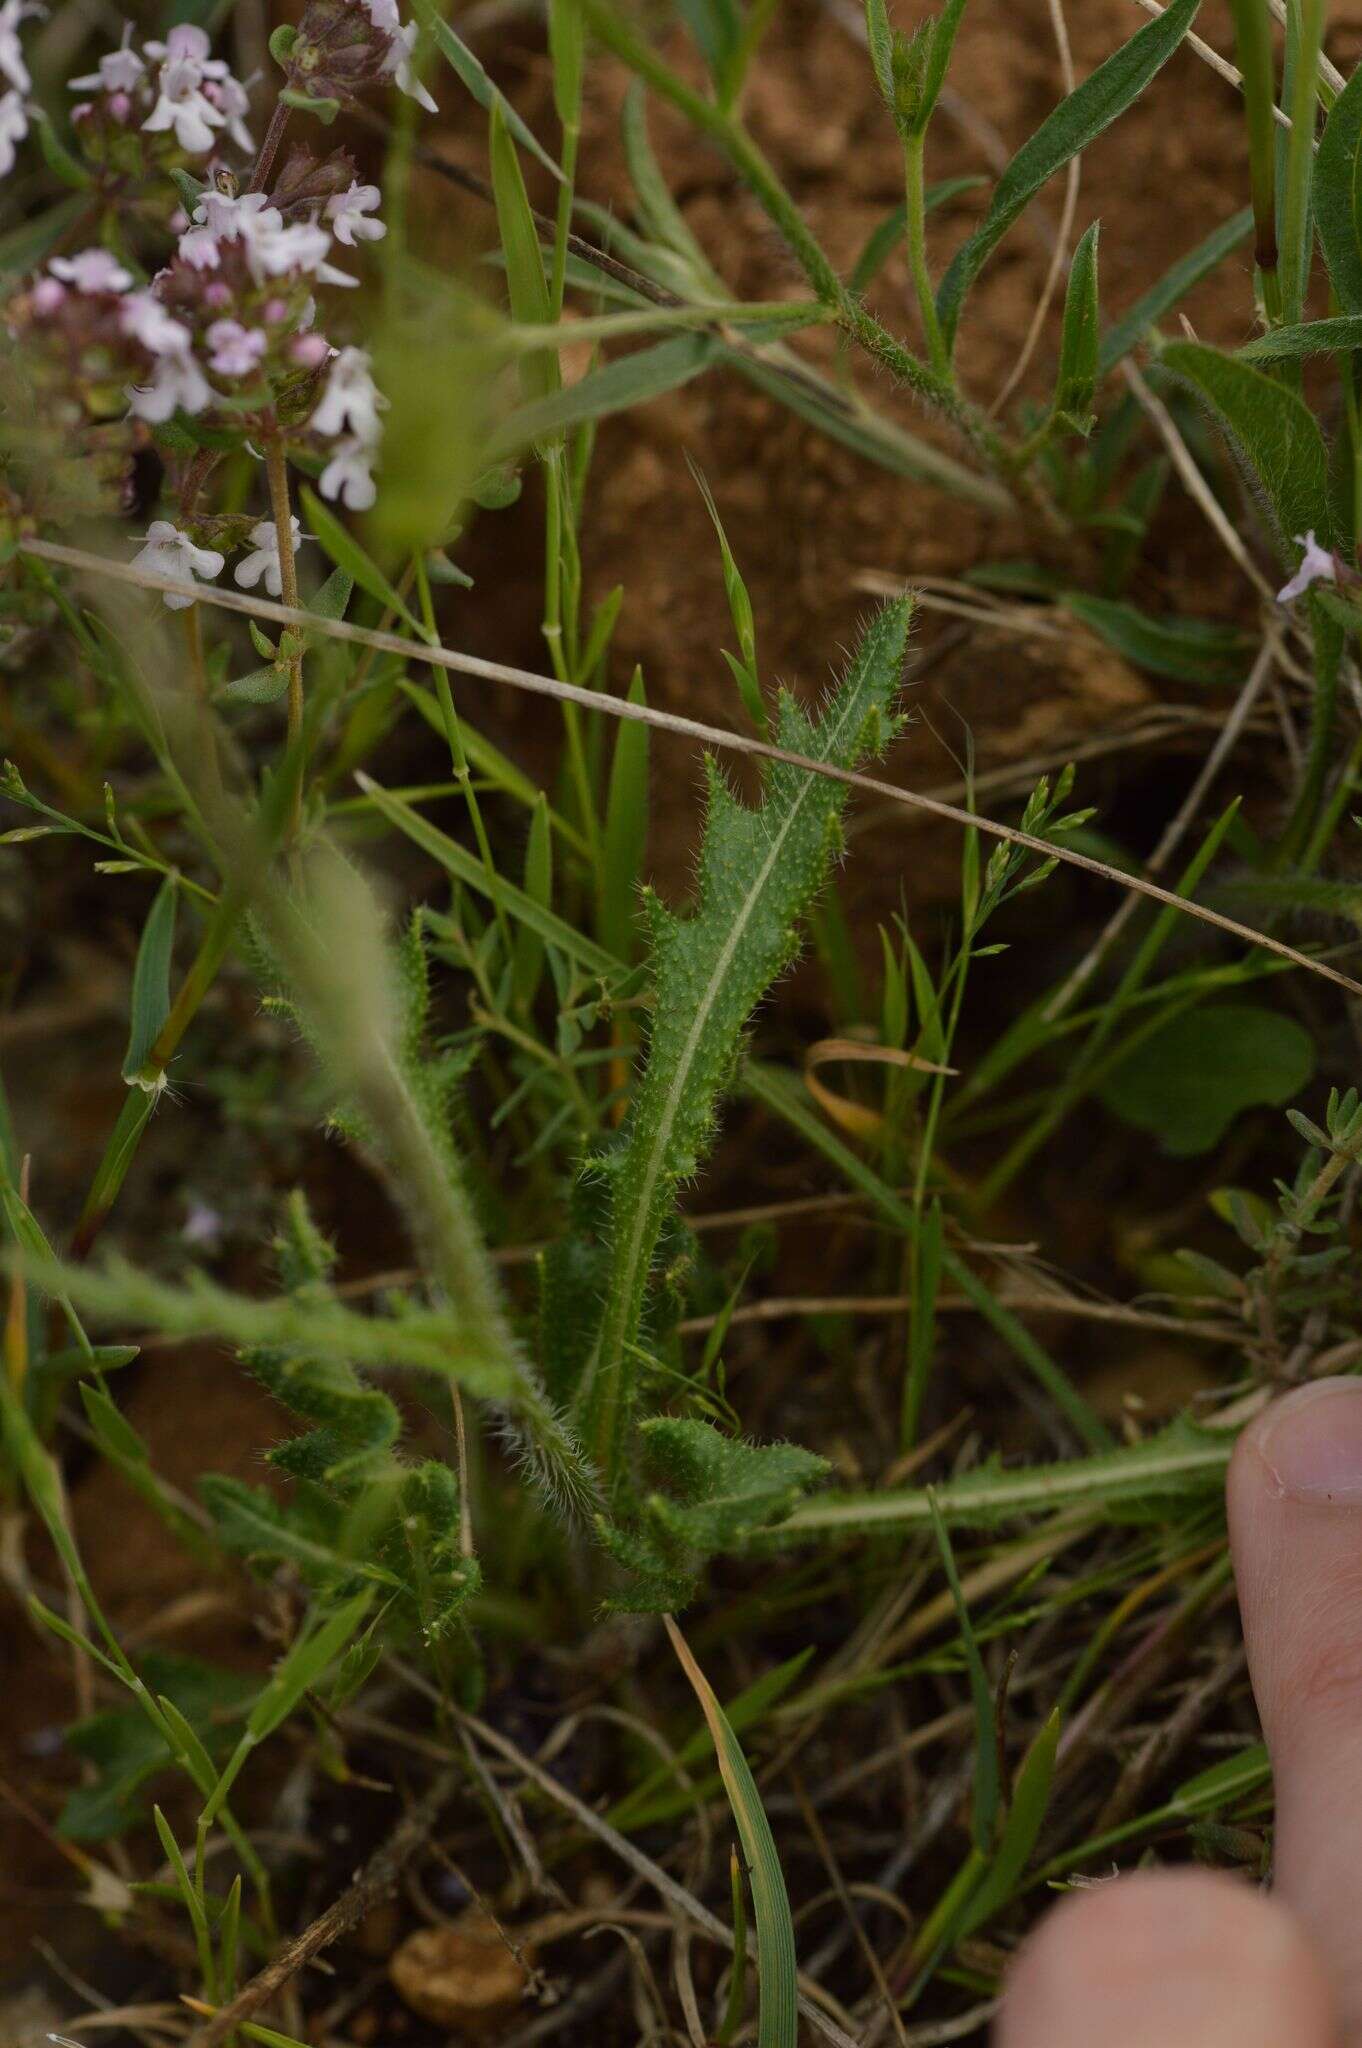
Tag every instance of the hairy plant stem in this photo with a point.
(915, 234)
(269, 148)
(425, 1174)
(281, 511)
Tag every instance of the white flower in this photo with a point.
(1317, 565)
(400, 65)
(233, 101)
(351, 402)
(236, 349)
(168, 552)
(348, 476)
(348, 211)
(199, 249)
(224, 214)
(181, 102)
(144, 317)
(13, 129)
(12, 65)
(384, 15)
(179, 385)
(274, 251)
(265, 560)
(93, 270)
(122, 70)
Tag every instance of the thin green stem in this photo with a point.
(1253, 47)
(727, 130)
(1295, 235)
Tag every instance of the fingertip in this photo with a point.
(1294, 1497)
(1167, 1959)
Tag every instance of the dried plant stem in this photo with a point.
(693, 729)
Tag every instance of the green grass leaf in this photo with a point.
(347, 554)
(1077, 121)
(1175, 283)
(469, 70)
(525, 279)
(1030, 1798)
(778, 2000)
(1338, 194)
(151, 984)
(981, 1693)
(616, 387)
(1077, 379)
(467, 867)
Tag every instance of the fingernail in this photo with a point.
(1311, 1443)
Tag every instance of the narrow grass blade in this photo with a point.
(1076, 122)
(347, 554)
(1175, 283)
(778, 2001)
(151, 985)
(1338, 194)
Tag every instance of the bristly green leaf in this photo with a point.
(151, 986)
(759, 871)
(1271, 431)
(1338, 194)
(778, 2007)
(1144, 1481)
(718, 1489)
(1312, 338)
(1076, 122)
(880, 38)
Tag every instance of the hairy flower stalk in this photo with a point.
(343, 996)
(276, 469)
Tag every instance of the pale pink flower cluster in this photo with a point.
(193, 95)
(349, 410)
